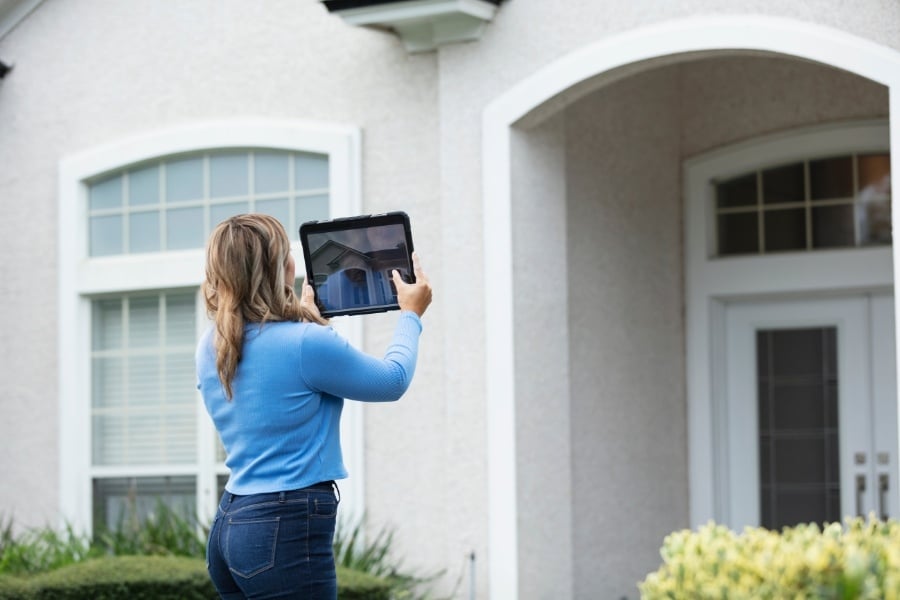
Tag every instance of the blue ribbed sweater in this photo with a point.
(281, 428)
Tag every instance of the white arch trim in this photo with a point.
(698, 34)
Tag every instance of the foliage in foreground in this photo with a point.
(859, 560)
(167, 533)
(151, 578)
(375, 557)
(164, 532)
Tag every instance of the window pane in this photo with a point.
(783, 184)
(311, 208)
(180, 427)
(143, 232)
(280, 209)
(107, 324)
(272, 172)
(785, 229)
(106, 194)
(121, 500)
(184, 180)
(146, 438)
(184, 228)
(833, 226)
(228, 175)
(798, 426)
(143, 186)
(106, 235)
(133, 225)
(181, 379)
(310, 171)
(108, 382)
(180, 313)
(831, 178)
(738, 233)
(109, 437)
(143, 322)
(144, 398)
(874, 170)
(874, 200)
(220, 212)
(144, 381)
(740, 191)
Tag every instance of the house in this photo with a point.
(657, 234)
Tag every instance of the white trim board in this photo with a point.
(650, 45)
(80, 277)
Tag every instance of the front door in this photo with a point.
(811, 411)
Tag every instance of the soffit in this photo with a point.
(422, 25)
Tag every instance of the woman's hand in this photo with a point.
(413, 296)
(311, 312)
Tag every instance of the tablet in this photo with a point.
(349, 262)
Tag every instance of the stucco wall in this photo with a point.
(629, 463)
(95, 71)
(542, 362)
(92, 72)
(726, 100)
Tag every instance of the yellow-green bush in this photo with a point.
(859, 559)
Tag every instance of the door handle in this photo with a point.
(860, 490)
(883, 486)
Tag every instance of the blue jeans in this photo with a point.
(275, 545)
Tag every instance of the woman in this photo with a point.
(273, 379)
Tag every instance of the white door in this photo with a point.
(811, 411)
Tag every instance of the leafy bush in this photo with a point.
(116, 578)
(152, 578)
(164, 532)
(38, 559)
(375, 557)
(39, 550)
(860, 560)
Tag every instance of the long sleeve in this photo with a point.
(330, 364)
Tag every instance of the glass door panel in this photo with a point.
(798, 426)
(798, 412)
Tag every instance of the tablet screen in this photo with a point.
(349, 262)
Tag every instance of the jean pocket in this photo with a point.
(250, 545)
(323, 507)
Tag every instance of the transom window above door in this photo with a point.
(836, 202)
(174, 203)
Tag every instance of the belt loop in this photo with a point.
(230, 497)
(281, 497)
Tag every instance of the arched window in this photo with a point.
(134, 219)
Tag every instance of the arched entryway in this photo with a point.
(530, 135)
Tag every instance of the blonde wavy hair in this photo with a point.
(246, 259)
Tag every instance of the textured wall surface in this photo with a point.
(626, 331)
(542, 280)
(92, 72)
(96, 71)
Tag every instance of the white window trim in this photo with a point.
(81, 277)
(602, 59)
(712, 282)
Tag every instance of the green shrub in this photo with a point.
(860, 561)
(164, 532)
(37, 550)
(152, 578)
(375, 556)
(118, 578)
(356, 585)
